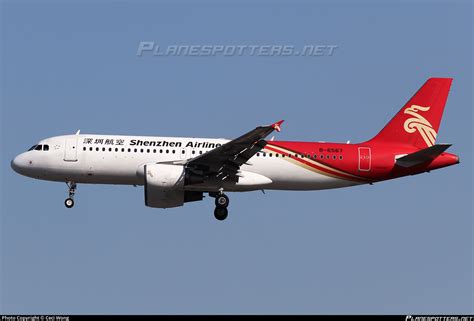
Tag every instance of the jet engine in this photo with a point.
(164, 186)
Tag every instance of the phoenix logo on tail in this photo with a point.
(420, 124)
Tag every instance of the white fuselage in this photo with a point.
(113, 159)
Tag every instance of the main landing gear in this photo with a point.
(69, 202)
(222, 201)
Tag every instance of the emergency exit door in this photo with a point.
(364, 159)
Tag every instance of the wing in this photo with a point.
(224, 161)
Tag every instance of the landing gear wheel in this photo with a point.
(220, 213)
(69, 202)
(222, 200)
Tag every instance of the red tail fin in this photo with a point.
(418, 121)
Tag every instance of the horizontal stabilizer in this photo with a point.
(422, 156)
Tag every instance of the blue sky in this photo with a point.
(403, 246)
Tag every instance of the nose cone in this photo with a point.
(18, 164)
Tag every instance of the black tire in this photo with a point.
(220, 213)
(69, 202)
(222, 200)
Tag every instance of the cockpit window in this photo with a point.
(39, 147)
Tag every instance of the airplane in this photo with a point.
(178, 170)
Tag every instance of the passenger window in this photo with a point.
(147, 150)
(39, 147)
(110, 149)
(123, 149)
(103, 149)
(269, 154)
(334, 157)
(84, 149)
(116, 149)
(340, 157)
(258, 154)
(129, 150)
(97, 149)
(328, 156)
(90, 149)
(141, 150)
(154, 151)
(135, 150)
(173, 151)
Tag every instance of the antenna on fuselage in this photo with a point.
(348, 142)
(78, 132)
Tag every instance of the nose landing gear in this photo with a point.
(222, 202)
(69, 202)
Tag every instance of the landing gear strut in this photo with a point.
(222, 202)
(69, 202)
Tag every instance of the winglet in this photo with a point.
(277, 126)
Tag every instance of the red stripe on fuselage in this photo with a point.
(332, 171)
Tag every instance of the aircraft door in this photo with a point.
(70, 149)
(364, 159)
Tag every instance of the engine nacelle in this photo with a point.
(164, 185)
